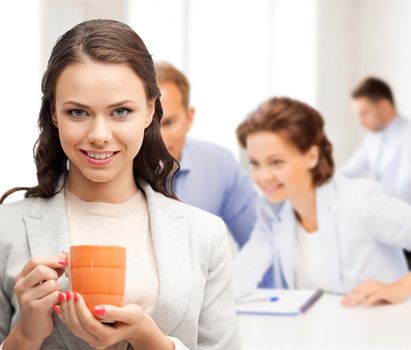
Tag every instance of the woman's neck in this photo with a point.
(117, 190)
(305, 208)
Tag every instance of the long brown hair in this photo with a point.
(300, 123)
(104, 41)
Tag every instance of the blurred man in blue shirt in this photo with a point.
(209, 177)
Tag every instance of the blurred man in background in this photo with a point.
(209, 176)
(385, 154)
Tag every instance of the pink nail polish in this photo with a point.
(56, 309)
(63, 261)
(76, 297)
(61, 297)
(68, 295)
(99, 311)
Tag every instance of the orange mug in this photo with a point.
(98, 274)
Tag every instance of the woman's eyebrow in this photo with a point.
(121, 103)
(78, 104)
(81, 105)
(274, 155)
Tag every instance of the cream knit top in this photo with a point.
(126, 224)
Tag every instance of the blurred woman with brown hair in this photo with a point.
(318, 230)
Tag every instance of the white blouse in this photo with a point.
(310, 269)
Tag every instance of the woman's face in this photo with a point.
(278, 167)
(101, 112)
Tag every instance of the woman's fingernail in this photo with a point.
(56, 309)
(75, 297)
(99, 311)
(63, 258)
(63, 261)
(68, 295)
(61, 297)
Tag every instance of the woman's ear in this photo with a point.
(151, 108)
(53, 117)
(313, 156)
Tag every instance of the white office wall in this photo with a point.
(382, 45)
(229, 53)
(357, 38)
(295, 49)
(335, 69)
(162, 26)
(19, 91)
(235, 54)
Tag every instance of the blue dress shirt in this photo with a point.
(210, 179)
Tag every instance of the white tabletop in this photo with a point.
(327, 325)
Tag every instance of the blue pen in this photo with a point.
(259, 300)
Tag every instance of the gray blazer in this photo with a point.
(196, 299)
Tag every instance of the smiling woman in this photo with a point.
(314, 227)
(103, 173)
(101, 113)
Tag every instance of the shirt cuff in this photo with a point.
(178, 345)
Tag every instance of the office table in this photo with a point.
(327, 325)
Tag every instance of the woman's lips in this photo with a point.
(272, 188)
(99, 158)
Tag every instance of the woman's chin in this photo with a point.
(97, 176)
(275, 197)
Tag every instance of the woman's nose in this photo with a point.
(266, 174)
(100, 132)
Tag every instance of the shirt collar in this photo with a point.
(186, 157)
(393, 126)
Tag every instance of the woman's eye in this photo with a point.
(253, 164)
(121, 112)
(77, 113)
(277, 162)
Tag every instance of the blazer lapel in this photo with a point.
(48, 235)
(47, 229)
(326, 213)
(171, 247)
(284, 235)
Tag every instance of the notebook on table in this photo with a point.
(274, 302)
